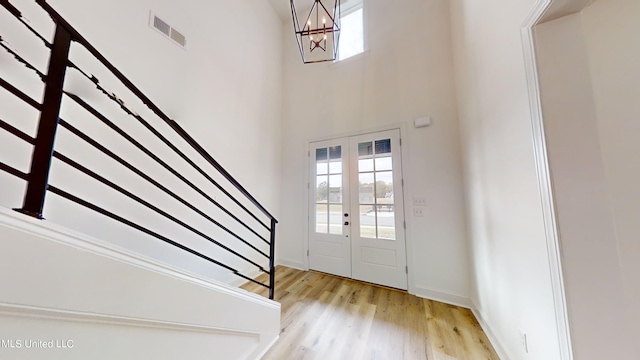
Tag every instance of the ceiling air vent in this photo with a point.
(168, 31)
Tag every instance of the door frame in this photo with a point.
(407, 190)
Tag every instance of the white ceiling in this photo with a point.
(283, 7)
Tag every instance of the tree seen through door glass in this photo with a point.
(384, 188)
(375, 177)
(322, 186)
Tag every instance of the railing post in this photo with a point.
(272, 256)
(45, 138)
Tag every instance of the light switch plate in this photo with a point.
(419, 201)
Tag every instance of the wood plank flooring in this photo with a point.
(332, 318)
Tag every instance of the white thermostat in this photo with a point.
(422, 121)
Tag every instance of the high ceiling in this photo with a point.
(283, 7)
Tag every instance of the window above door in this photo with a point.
(351, 30)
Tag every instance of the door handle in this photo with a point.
(346, 223)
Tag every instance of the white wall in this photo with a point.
(225, 89)
(406, 73)
(611, 28)
(512, 291)
(589, 80)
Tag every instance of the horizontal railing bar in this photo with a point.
(258, 282)
(80, 39)
(161, 137)
(22, 60)
(142, 148)
(13, 171)
(18, 15)
(130, 223)
(21, 95)
(12, 9)
(219, 167)
(126, 164)
(75, 36)
(202, 172)
(141, 201)
(15, 131)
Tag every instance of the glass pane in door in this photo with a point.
(383, 163)
(384, 188)
(386, 225)
(335, 189)
(383, 146)
(322, 185)
(322, 225)
(329, 190)
(368, 221)
(375, 175)
(365, 148)
(366, 188)
(335, 219)
(365, 165)
(321, 161)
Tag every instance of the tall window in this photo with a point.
(351, 33)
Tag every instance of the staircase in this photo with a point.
(145, 231)
(87, 300)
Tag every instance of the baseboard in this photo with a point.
(442, 296)
(497, 345)
(291, 264)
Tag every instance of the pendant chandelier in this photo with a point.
(319, 36)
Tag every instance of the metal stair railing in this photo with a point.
(44, 151)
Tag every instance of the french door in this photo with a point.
(356, 209)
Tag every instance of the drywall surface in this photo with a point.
(611, 29)
(75, 298)
(224, 88)
(591, 262)
(511, 284)
(405, 73)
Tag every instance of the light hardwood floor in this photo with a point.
(332, 318)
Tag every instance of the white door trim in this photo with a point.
(544, 178)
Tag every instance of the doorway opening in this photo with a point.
(356, 222)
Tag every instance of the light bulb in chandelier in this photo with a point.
(320, 29)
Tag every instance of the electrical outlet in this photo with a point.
(419, 201)
(418, 212)
(523, 341)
